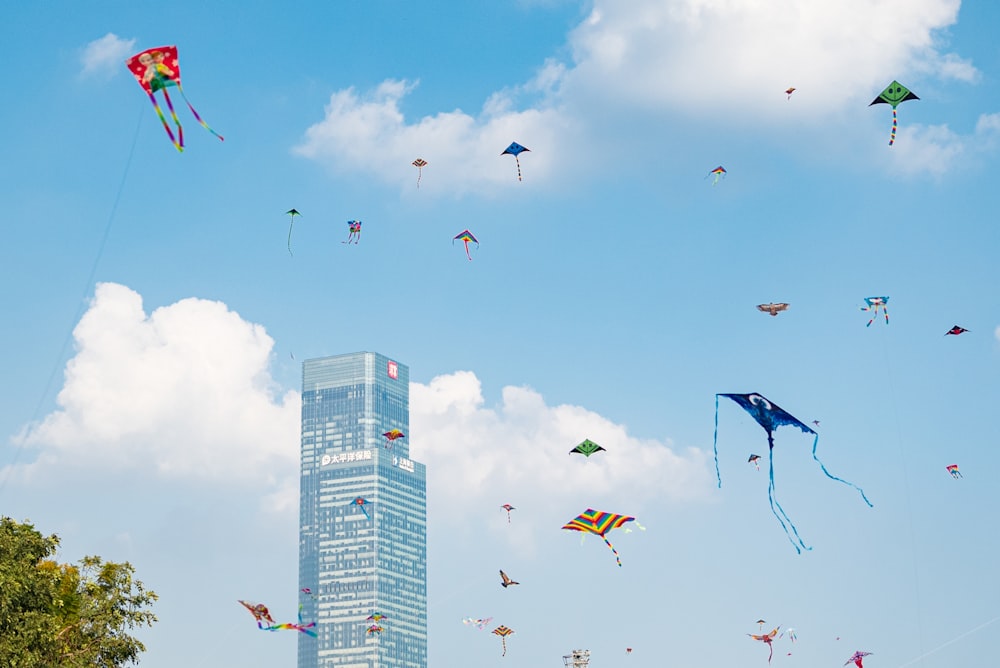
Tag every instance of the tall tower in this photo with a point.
(362, 517)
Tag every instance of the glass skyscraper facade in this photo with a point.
(362, 517)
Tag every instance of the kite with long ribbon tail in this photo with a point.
(873, 304)
(157, 70)
(770, 416)
(718, 173)
(515, 150)
(419, 163)
(600, 523)
(361, 502)
(508, 508)
(291, 213)
(894, 94)
(503, 632)
(466, 236)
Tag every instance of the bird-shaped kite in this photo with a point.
(375, 617)
(772, 307)
(857, 657)
(718, 173)
(770, 416)
(503, 632)
(478, 623)
(506, 581)
(789, 91)
(767, 638)
(291, 213)
(600, 523)
(587, 448)
(156, 70)
(419, 163)
(956, 330)
(755, 460)
(361, 502)
(354, 232)
(259, 612)
(873, 304)
(953, 470)
(391, 436)
(466, 236)
(894, 94)
(515, 150)
(508, 508)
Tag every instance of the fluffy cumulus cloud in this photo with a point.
(183, 392)
(703, 58)
(937, 150)
(104, 56)
(518, 451)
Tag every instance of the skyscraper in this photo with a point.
(362, 517)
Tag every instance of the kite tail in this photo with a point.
(833, 477)
(518, 167)
(886, 310)
(715, 441)
(467, 251)
(503, 643)
(892, 137)
(420, 173)
(196, 116)
(365, 512)
(166, 126)
(617, 557)
(173, 114)
(783, 518)
(290, 224)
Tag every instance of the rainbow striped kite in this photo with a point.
(600, 523)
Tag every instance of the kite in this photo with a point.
(291, 221)
(628, 650)
(858, 656)
(956, 330)
(791, 634)
(503, 632)
(767, 638)
(894, 94)
(478, 623)
(788, 92)
(466, 236)
(587, 448)
(515, 150)
(288, 626)
(600, 523)
(391, 436)
(361, 502)
(354, 226)
(308, 592)
(375, 617)
(419, 163)
(373, 629)
(718, 173)
(508, 508)
(770, 417)
(816, 422)
(873, 304)
(506, 581)
(259, 612)
(760, 624)
(755, 460)
(156, 70)
(772, 308)
(953, 470)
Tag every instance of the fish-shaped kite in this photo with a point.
(419, 163)
(772, 307)
(873, 304)
(770, 416)
(587, 448)
(600, 523)
(515, 150)
(893, 95)
(157, 70)
(503, 632)
(466, 236)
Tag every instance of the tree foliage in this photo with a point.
(64, 615)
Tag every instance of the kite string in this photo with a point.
(86, 293)
(950, 642)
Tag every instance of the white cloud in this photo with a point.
(708, 59)
(936, 149)
(104, 56)
(519, 453)
(182, 392)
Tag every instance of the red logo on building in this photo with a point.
(393, 370)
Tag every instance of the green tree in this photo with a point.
(62, 615)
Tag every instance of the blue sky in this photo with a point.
(157, 323)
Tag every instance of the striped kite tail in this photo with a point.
(518, 162)
(892, 137)
(196, 116)
(166, 126)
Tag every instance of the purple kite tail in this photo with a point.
(163, 119)
(195, 114)
(833, 477)
(892, 137)
(173, 114)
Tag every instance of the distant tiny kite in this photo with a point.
(755, 460)
(873, 304)
(956, 330)
(419, 163)
(789, 92)
(718, 173)
(953, 470)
